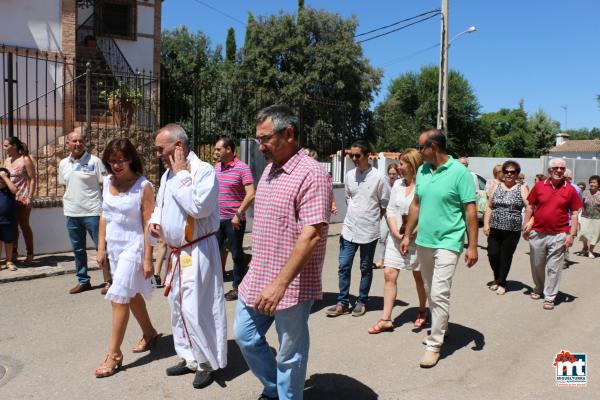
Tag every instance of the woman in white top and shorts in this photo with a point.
(397, 212)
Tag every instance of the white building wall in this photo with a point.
(577, 155)
(139, 53)
(34, 24)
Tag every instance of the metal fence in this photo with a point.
(43, 97)
(208, 112)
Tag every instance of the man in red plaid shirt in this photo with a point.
(292, 209)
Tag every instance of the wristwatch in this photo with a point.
(238, 214)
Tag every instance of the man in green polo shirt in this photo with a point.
(444, 207)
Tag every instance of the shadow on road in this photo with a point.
(564, 298)
(408, 316)
(516, 286)
(236, 365)
(163, 349)
(461, 336)
(336, 386)
(329, 299)
(50, 260)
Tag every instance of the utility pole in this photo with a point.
(442, 116)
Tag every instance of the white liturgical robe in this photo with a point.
(190, 199)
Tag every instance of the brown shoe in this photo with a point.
(105, 288)
(338, 309)
(430, 359)
(231, 295)
(80, 288)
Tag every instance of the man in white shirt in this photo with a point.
(82, 174)
(367, 196)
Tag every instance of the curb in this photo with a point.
(69, 268)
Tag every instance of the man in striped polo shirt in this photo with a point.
(236, 194)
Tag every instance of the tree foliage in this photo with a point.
(313, 60)
(230, 46)
(410, 107)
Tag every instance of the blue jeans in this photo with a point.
(284, 376)
(347, 252)
(78, 227)
(236, 239)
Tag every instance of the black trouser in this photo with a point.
(501, 247)
(236, 238)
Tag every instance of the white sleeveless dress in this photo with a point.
(398, 206)
(125, 241)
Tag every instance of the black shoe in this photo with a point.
(179, 369)
(265, 397)
(156, 282)
(231, 295)
(202, 379)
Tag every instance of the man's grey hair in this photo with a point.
(281, 116)
(557, 162)
(176, 133)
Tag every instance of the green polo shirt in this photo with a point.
(442, 195)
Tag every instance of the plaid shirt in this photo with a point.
(289, 197)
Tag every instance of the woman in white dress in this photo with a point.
(397, 212)
(128, 202)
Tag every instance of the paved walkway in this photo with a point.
(500, 347)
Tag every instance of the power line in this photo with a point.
(411, 55)
(437, 10)
(220, 12)
(398, 29)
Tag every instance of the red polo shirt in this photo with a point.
(552, 206)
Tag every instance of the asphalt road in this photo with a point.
(500, 347)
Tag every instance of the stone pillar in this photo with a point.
(68, 45)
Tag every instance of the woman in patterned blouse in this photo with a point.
(589, 229)
(503, 222)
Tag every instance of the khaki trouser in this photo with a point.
(437, 268)
(546, 253)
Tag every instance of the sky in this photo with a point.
(545, 52)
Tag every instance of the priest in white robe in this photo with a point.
(186, 217)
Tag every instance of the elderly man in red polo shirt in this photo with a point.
(554, 202)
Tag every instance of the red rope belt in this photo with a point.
(177, 269)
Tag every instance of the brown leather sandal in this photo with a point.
(111, 364)
(144, 345)
(379, 327)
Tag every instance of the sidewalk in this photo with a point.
(46, 265)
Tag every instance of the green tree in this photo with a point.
(508, 133)
(313, 61)
(230, 47)
(411, 107)
(544, 131)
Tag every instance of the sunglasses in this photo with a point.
(559, 168)
(509, 171)
(355, 156)
(422, 147)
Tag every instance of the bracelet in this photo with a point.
(238, 214)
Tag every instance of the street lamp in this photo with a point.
(442, 115)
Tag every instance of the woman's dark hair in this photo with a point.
(5, 170)
(514, 164)
(125, 147)
(594, 178)
(21, 147)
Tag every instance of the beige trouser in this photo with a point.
(437, 268)
(546, 253)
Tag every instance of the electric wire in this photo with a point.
(437, 10)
